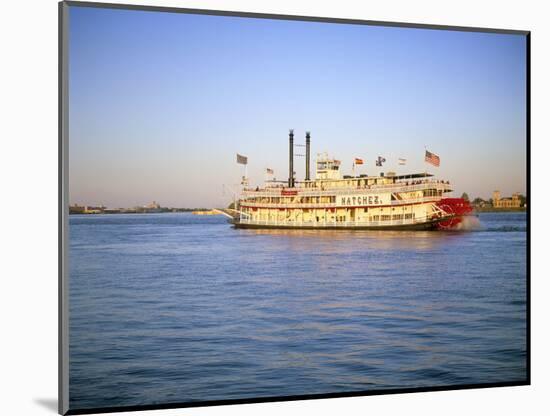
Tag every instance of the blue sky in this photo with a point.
(160, 103)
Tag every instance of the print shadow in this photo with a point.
(49, 404)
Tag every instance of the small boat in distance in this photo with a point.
(415, 201)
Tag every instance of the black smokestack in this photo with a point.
(291, 158)
(308, 142)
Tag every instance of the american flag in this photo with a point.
(242, 160)
(269, 171)
(358, 161)
(432, 158)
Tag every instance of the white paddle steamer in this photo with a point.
(333, 201)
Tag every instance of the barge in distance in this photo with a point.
(415, 201)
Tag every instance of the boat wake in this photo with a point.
(468, 223)
(472, 223)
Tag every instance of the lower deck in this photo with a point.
(395, 225)
(338, 217)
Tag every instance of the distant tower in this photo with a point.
(496, 198)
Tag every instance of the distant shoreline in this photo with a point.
(130, 211)
(190, 210)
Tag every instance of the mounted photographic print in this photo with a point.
(263, 207)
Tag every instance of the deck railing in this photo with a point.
(342, 224)
(253, 204)
(397, 187)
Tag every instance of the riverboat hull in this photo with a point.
(425, 226)
(455, 208)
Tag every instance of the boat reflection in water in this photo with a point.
(335, 241)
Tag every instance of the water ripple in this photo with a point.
(176, 308)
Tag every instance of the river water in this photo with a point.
(179, 308)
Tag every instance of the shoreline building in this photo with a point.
(499, 202)
(85, 209)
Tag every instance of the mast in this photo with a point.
(308, 143)
(291, 158)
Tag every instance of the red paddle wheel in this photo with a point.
(457, 207)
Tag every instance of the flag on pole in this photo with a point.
(269, 171)
(402, 161)
(432, 158)
(242, 160)
(380, 160)
(358, 161)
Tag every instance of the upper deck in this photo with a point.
(353, 185)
